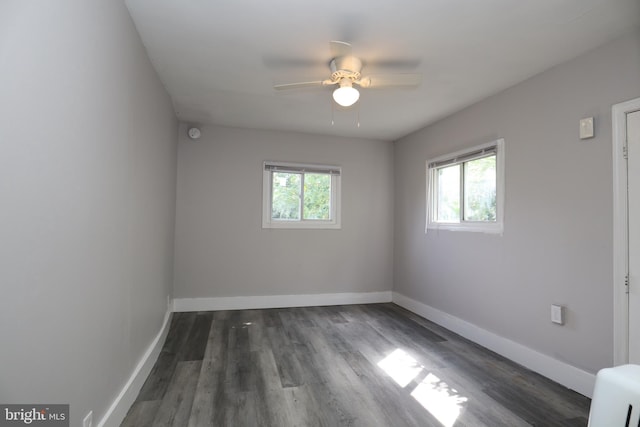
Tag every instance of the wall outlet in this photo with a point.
(88, 420)
(557, 314)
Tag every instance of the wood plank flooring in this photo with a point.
(357, 365)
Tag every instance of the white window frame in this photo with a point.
(269, 167)
(496, 226)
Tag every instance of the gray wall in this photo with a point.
(557, 242)
(221, 248)
(87, 194)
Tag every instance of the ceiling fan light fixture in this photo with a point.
(346, 95)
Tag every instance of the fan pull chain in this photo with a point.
(332, 108)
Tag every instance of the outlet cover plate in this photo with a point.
(586, 128)
(557, 314)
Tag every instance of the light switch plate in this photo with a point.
(586, 128)
(557, 314)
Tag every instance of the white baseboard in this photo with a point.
(120, 406)
(560, 372)
(279, 301)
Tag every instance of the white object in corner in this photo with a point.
(279, 301)
(616, 397)
(560, 372)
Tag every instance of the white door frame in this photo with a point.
(620, 232)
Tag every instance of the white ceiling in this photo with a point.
(220, 59)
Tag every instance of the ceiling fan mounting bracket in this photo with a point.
(345, 67)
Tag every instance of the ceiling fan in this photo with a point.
(346, 74)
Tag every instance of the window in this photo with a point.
(465, 190)
(300, 196)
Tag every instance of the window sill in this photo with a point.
(494, 228)
(300, 225)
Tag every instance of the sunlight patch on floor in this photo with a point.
(401, 367)
(443, 402)
(435, 395)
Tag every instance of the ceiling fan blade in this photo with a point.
(407, 64)
(279, 62)
(390, 80)
(339, 49)
(301, 85)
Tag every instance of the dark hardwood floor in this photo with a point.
(356, 365)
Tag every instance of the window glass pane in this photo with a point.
(317, 196)
(285, 201)
(448, 194)
(480, 189)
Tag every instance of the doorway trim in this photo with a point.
(620, 231)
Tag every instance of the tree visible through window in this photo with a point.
(286, 196)
(300, 196)
(317, 196)
(465, 189)
(480, 181)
